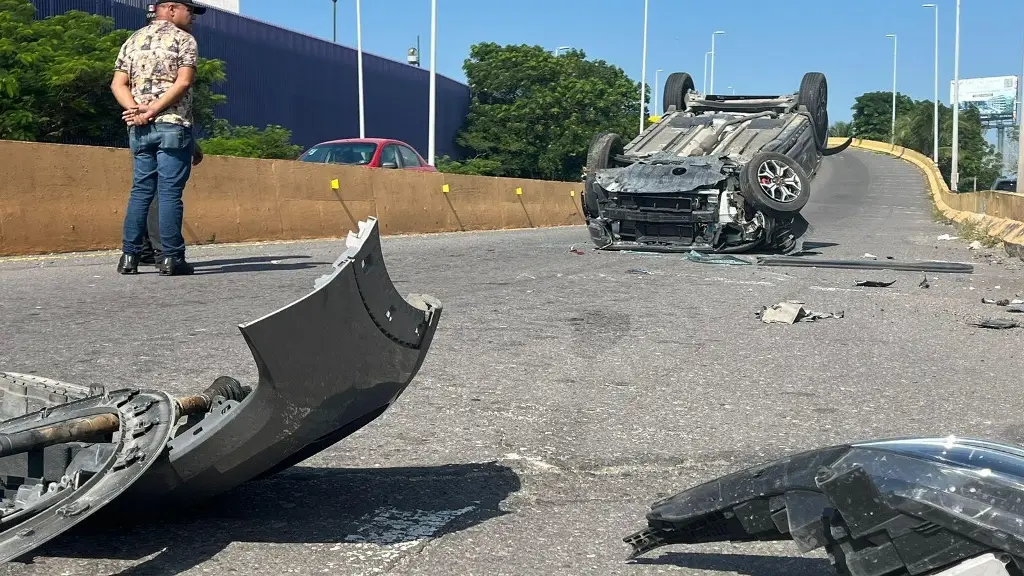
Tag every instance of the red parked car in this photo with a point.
(372, 152)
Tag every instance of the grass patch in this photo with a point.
(971, 231)
(939, 216)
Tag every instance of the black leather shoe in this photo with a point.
(175, 267)
(151, 258)
(128, 264)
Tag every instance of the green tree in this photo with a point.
(840, 129)
(55, 78)
(250, 142)
(872, 114)
(204, 99)
(532, 114)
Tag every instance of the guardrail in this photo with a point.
(999, 214)
(66, 198)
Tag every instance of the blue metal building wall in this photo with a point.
(308, 85)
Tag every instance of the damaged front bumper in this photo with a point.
(904, 506)
(329, 363)
(684, 204)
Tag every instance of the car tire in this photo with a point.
(767, 168)
(814, 95)
(603, 148)
(677, 86)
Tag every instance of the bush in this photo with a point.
(472, 166)
(251, 142)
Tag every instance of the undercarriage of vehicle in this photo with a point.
(714, 174)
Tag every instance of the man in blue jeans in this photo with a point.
(153, 78)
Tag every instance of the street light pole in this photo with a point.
(431, 124)
(954, 176)
(656, 86)
(643, 71)
(359, 47)
(892, 129)
(1020, 145)
(335, 2)
(713, 60)
(935, 113)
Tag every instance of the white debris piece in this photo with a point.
(791, 312)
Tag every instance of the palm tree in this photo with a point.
(840, 130)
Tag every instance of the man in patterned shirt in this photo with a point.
(153, 78)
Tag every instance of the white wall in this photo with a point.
(228, 5)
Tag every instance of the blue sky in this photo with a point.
(761, 52)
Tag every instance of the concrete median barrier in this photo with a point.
(999, 214)
(64, 198)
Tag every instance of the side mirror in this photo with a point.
(389, 165)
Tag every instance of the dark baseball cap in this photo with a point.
(196, 8)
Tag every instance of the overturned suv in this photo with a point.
(713, 174)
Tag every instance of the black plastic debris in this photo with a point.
(875, 283)
(888, 507)
(796, 261)
(924, 283)
(638, 271)
(996, 324)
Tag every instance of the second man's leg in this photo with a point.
(144, 188)
(174, 160)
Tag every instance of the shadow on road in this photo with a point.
(304, 505)
(253, 264)
(748, 564)
(246, 260)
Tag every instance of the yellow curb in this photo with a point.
(1006, 229)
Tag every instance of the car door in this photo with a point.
(410, 160)
(389, 157)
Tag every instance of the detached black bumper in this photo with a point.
(904, 506)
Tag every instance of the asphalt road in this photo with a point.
(562, 395)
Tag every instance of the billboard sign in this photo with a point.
(995, 96)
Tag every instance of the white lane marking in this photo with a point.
(384, 534)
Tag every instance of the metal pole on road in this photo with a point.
(643, 71)
(892, 129)
(954, 176)
(935, 114)
(712, 88)
(359, 47)
(431, 124)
